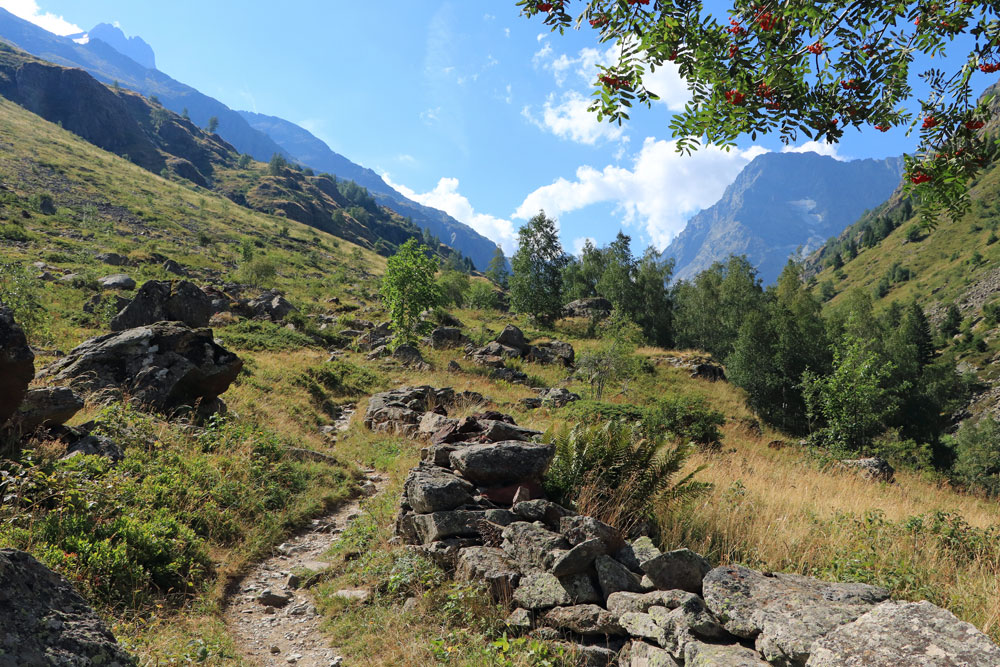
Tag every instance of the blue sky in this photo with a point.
(465, 106)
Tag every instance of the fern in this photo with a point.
(617, 474)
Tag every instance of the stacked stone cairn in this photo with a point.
(475, 506)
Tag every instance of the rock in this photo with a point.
(409, 356)
(165, 365)
(17, 364)
(530, 403)
(112, 259)
(697, 654)
(170, 266)
(583, 619)
(513, 337)
(590, 655)
(541, 591)
(579, 558)
(691, 618)
(95, 445)
(270, 599)
(454, 367)
(552, 353)
(51, 406)
(633, 554)
(490, 566)
(520, 620)
(457, 523)
(624, 602)
(874, 468)
(119, 281)
(916, 634)
(272, 305)
(442, 338)
(593, 307)
(557, 397)
(445, 552)
(503, 462)
(431, 489)
(353, 594)
(545, 511)
(641, 654)
(509, 375)
(682, 569)
(165, 301)
(581, 588)
(615, 577)
(643, 626)
(708, 371)
(431, 422)
(579, 529)
(45, 621)
(498, 431)
(531, 546)
(786, 613)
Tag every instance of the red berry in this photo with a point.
(974, 124)
(920, 177)
(929, 122)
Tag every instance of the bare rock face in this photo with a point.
(785, 613)
(916, 634)
(165, 365)
(46, 622)
(165, 301)
(17, 364)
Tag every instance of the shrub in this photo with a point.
(43, 203)
(914, 233)
(482, 296)
(977, 452)
(258, 272)
(261, 335)
(596, 412)
(19, 291)
(617, 474)
(14, 233)
(687, 418)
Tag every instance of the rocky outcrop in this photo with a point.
(271, 305)
(554, 397)
(511, 344)
(598, 307)
(17, 364)
(46, 622)
(874, 468)
(442, 338)
(401, 410)
(164, 366)
(165, 301)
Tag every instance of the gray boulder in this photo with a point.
(624, 602)
(635, 553)
(490, 566)
(442, 338)
(541, 590)
(46, 622)
(95, 445)
(545, 511)
(272, 305)
(915, 634)
(513, 337)
(456, 523)
(552, 353)
(531, 546)
(697, 654)
(557, 397)
(784, 613)
(118, 281)
(165, 365)
(643, 626)
(615, 577)
(584, 619)
(51, 406)
(874, 468)
(592, 307)
(112, 259)
(682, 569)
(165, 301)
(641, 654)
(579, 558)
(503, 462)
(17, 364)
(510, 375)
(579, 528)
(432, 489)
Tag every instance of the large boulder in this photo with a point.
(592, 307)
(552, 353)
(490, 566)
(513, 337)
(165, 365)
(916, 634)
(117, 281)
(503, 462)
(697, 654)
(433, 489)
(874, 468)
(271, 305)
(165, 301)
(44, 621)
(681, 569)
(531, 546)
(446, 337)
(584, 619)
(784, 613)
(17, 364)
(50, 406)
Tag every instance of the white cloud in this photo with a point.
(828, 149)
(542, 54)
(429, 116)
(660, 192)
(567, 117)
(446, 197)
(30, 11)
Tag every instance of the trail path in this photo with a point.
(284, 633)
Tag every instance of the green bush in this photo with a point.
(687, 418)
(20, 292)
(257, 335)
(977, 455)
(15, 233)
(596, 412)
(617, 474)
(483, 296)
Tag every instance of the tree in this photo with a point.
(496, 270)
(408, 289)
(810, 68)
(213, 124)
(536, 283)
(452, 287)
(977, 449)
(952, 321)
(277, 165)
(614, 360)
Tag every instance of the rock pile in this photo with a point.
(165, 300)
(401, 410)
(477, 509)
(46, 622)
(597, 307)
(511, 344)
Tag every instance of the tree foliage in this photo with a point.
(807, 68)
(536, 286)
(408, 288)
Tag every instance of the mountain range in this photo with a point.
(780, 204)
(107, 54)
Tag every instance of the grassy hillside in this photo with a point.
(217, 498)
